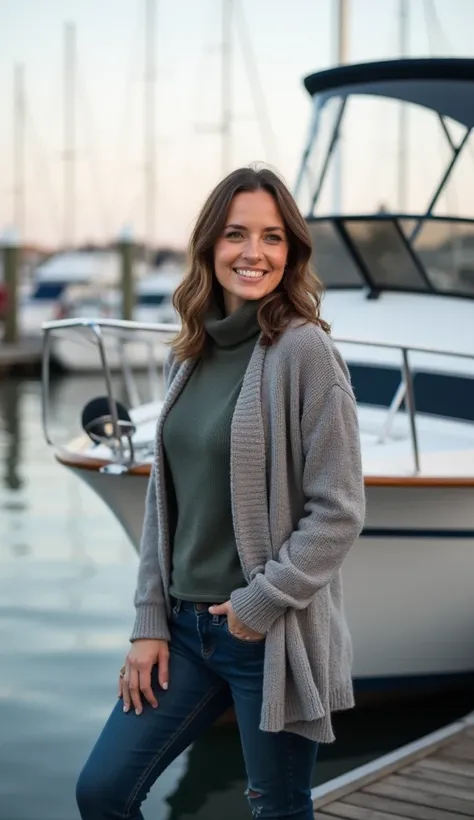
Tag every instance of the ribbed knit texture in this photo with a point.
(196, 440)
(298, 507)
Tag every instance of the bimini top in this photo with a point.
(444, 85)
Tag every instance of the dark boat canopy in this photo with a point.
(444, 85)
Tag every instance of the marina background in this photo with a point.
(67, 570)
(99, 123)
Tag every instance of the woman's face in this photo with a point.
(251, 253)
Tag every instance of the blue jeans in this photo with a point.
(209, 670)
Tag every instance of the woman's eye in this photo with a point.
(233, 235)
(274, 237)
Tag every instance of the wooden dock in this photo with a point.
(24, 356)
(431, 779)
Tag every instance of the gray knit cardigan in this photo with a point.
(298, 507)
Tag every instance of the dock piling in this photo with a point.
(10, 256)
(126, 250)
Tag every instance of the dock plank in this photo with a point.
(432, 786)
(344, 811)
(460, 751)
(419, 770)
(401, 807)
(421, 797)
(439, 764)
(430, 779)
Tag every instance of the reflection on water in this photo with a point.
(67, 575)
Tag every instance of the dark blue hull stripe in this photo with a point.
(404, 532)
(397, 682)
(439, 394)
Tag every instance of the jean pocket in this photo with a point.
(175, 607)
(243, 641)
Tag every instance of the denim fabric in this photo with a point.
(209, 670)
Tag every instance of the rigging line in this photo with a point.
(135, 203)
(441, 32)
(435, 32)
(44, 180)
(125, 119)
(195, 96)
(427, 13)
(261, 110)
(436, 35)
(91, 153)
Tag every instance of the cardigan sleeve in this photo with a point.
(150, 619)
(334, 510)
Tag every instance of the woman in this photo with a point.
(255, 497)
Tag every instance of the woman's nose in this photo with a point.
(252, 252)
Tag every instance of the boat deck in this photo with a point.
(446, 446)
(431, 779)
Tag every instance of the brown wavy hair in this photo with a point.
(299, 292)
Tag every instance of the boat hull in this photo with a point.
(407, 580)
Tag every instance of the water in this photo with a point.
(67, 574)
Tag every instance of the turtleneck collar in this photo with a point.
(227, 331)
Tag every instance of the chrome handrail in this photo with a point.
(117, 324)
(125, 329)
(132, 326)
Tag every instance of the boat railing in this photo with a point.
(125, 332)
(99, 333)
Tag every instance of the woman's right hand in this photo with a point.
(136, 679)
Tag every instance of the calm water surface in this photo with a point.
(67, 574)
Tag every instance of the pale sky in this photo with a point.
(289, 40)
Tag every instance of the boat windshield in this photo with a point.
(387, 175)
(431, 255)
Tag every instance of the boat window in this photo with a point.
(385, 255)
(331, 259)
(446, 251)
(48, 290)
(151, 298)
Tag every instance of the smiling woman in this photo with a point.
(250, 242)
(254, 498)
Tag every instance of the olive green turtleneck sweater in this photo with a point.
(196, 440)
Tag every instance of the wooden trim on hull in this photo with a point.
(72, 457)
(418, 481)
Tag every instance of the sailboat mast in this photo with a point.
(226, 87)
(149, 123)
(69, 155)
(403, 34)
(341, 27)
(19, 119)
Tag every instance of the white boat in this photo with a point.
(53, 276)
(408, 580)
(153, 295)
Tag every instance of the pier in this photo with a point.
(430, 779)
(22, 356)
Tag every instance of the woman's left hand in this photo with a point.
(236, 627)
